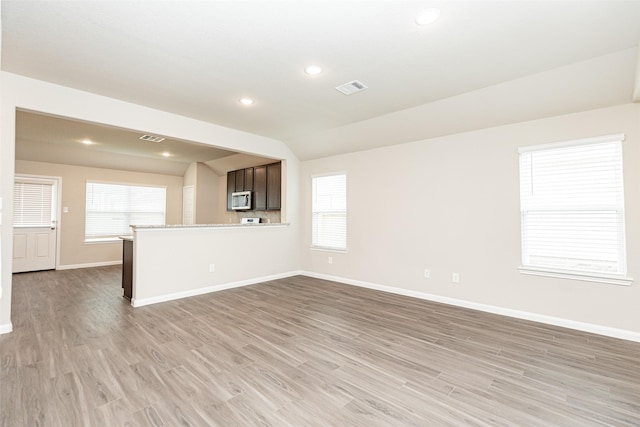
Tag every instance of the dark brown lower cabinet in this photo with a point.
(127, 268)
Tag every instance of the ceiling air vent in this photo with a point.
(352, 87)
(151, 138)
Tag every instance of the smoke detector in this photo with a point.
(151, 138)
(352, 87)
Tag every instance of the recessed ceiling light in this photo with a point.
(313, 70)
(87, 141)
(246, 101)
(428, 16)
(166, 154)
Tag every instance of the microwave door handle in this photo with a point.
(246, 199)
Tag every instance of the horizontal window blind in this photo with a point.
(572, 207)
(32, 204)
(112, 208)
(329, 211)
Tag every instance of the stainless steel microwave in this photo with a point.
(241, 200)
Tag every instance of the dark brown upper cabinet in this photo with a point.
(274, 184)
(260, 188)
(248, 179)
(231, 187)
(264, 181)
(239, 180)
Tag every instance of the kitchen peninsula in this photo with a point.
(169, 262)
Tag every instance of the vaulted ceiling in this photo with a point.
(483, 63)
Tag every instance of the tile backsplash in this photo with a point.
(235, 217)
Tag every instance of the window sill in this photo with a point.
(323, 249)
(572, 275)
(102, 240)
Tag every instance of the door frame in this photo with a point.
(57, 201)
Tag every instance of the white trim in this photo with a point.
(315, 230)
(561, 144)
(58, 184)
(636, 86)
(320, 175)
(6, 328)
(89, 265)
(545, 206)
(327, 249)
(575, 275)
(535, 317)
(101, 240)
(139, 302)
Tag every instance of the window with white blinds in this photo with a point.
(33, 203)
(112, 208)
(572, 207)
(329, 212)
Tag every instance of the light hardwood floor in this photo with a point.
(296, 352)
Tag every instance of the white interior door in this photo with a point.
(34, 248)
(35, 231)
(188, 208)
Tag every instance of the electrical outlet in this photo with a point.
(212, 268)
(330, 260)
(455, 278)
(427, 273)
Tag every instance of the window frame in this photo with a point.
(592, 276)
(115, 238)
(314, 245)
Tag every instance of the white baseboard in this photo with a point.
(89, 265)
(541, 318)
(6, 328)
(139, 302)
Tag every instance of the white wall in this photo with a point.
(172, 263)
(4, 326)
(205, 196)
(35, 95)
(451, 204)
(73, 251)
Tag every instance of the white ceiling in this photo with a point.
(198, 58)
